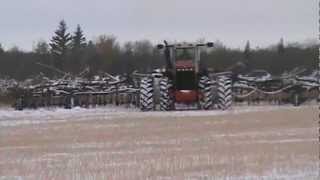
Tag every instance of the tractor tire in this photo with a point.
(205, 88)
(166, 100)
(296, 99)
(146, 94)
(224, 93)
(19, 104)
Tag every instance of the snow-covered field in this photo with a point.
(263, 142)
(11, 117)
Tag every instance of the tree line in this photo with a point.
(72, 53)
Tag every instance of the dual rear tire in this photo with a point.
(146, 94)
(224, 92)
(223, 96)
(166, 99)
(205, 88)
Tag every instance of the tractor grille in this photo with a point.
(186, 80)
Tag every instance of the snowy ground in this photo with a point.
(266, 142)
(11, 117)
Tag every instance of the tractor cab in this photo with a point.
(185, 62)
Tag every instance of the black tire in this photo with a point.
(166, 101)
(296, 99)
(224, 92)
(205, 88)
(146, 94)
(67, 102)
(19, 104)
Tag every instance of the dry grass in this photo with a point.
(258, 145)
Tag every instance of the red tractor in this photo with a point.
(184, 82)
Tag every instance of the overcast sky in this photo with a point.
(233, 22)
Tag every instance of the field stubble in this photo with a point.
(277, 144)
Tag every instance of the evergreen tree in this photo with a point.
(1, 49)
(78, 39)
(60, 45)
(281, 47)
(76, 62)
(247, 55)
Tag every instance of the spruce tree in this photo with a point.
(60, 45)
(78, 39)
(281, 47)
(247, 55)
(1, 49)
(78, 45)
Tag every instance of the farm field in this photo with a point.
(266, 142)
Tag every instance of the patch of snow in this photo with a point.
(10, 117)
(11, 178)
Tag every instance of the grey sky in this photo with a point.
(232, 21)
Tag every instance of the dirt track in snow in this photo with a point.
(274, 144)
